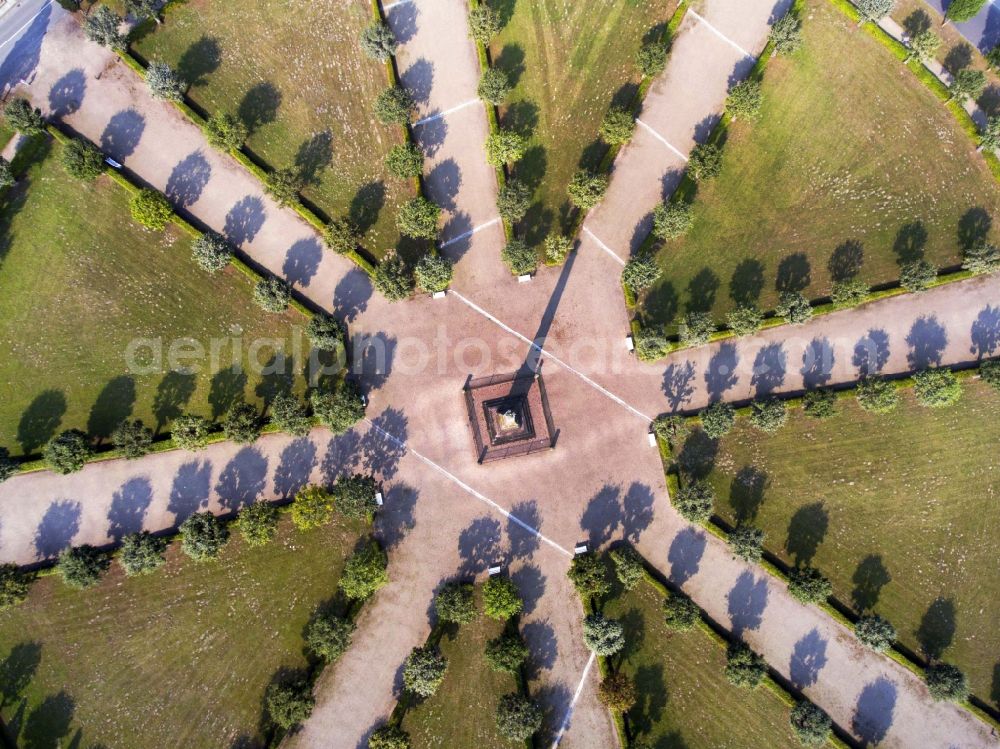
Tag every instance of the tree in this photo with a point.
(651, 58)
(680, 612)
(68, 452)
(226, 131)
(744, 667)
(807, 584)
(501, 599)
(617, 126)
(602, 635)
(142, 9)
(203, 535)
(190, 432)
(794, 307)
(517, 717)
(394, 106)
(747, 542)
(141, 553)
(272, 294)
(8, 466)
(875, 632)
(849, 293)
(325, 332)
(328, 636)
(418, 218)
(671, 220)
(705, 162)
(283, 185)
(364, 573)
(132, 439)
(810, 725)
(290, 415)
(917, 275)
(163, 82)
(151, 209)
(696, 328)
(744, 100)
(873, 10)
(506, 653)
(341, 236)
(24, 118)
(589, 576)
(378, 42)
(768, 415)
(456, 603)
(946, 682)
(393, 278)
(820, 404)
(433, 273)
(924, 46)
(617, 692)
(423, 671)
(557, 247)
(82, 159)
(519, 258)
(405, 161)
(338, 410)
(504, 147)
(14, 585)
(289, 702)
(389, 737)
(989, 372)
(963, 10)
(746, 319)
(968, 83)
(717, 419)
(102, 26)
(242, 424)
(786, 34)
(211, 251)
(671, 427)
(982, 257)
(695, 501)
(494, 86)
(641, 272)
(257, 523)
(877, 395)
(312, 507)
(7, 178)
(81, 566)
(354, 496)
(484, 23)
(628, 566)
(513, 200)
(936, 387)
(586, 189)
(651, 344)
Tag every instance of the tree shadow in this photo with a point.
(227, 388)
(128, 508)
(685, 553)
(521, 117)
(806, 531)
(871, 352)
(701, 291)
(910, 242)
(634, 624)
(697, 456)
(443, 183)
(916, 22)
(188, 179)
(431, 134)
(313, 156)
(277, 377)
(747, 282)
(556, 701)
(40, 420)
(794, 273)
(114, 404)
(746, 603)
(259, 106)
(530, 584)
(647, 712)
(190, 490)
(531, 168)
(846, 260)
(384, 444)
(351, 296)
(873, 714)
(418, 79)
(172, 395)
(122, 134)
(371, 360)
(542, 643)
(720, 375)
(662, 302)
(296, 463)
(995, 685)
(769, 368)
(66, 94)
(817, 363)
(937, 628)
(199, 61)
(523, 542)
(396, 517)
(869, 579)
(958, 58)
(366, 205)
(511, 61)
(58, 526)
(637, 504)
(302, 261)
(479, 546)
(17, 670)
(602, 516)
(49, 722)
(986, 332)
(403, 18)
(808, 659)
(927, 340)
(678, 384)
(243, 479)
(746, 493)
(973, 227)
(341, 455)
(244, 220)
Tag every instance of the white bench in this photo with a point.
(629, 343)
(524, 279)
(581, 549)
(652, 439)
(439, 294)
(495, 570)
(378, 499)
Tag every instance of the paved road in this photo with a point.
(983, 31)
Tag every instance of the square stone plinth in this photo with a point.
(509, 415)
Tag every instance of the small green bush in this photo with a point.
(968, 83)
(389, 737)
(501, 599)
(651, 344)
(283, 186)
(7, 177)
(378, 42)
(506, 653)
(589, 576)
(272, 294)
(989, 372)
(82, 159)
(405, 161)
(513, 200)
(680, 612)
(419, 218)
(877, 395)
(163, 82)
(517, 717)
(963, 10)
(81, 566)
(289, 702)
(746, 319)
(8, 466)
(290, 415)
(651, 58)
(672, 220)
(946, 682)
(494, 86)
(744, 667)
(242, 424)
(325, 332)
(354, 496)
(341, 236)
(811, 726)
(14, 586)
(849, 293)
(586, 189)
(557, 247)
(202, 536)
(338, 410)
(617, 692)
(696, 328)
(641, 272)
(602, 635)
(794, 307)
(132, 439)
(786, 34)
(807, 584)
(745, 100)
(628, 566)
(102, 26)
(190, 432)
(875, 632)
(924, 46)
(717, 419)
(328, 636)
(982, 257)
(768, 415)
(365, 572)
(747, 542)
(394, 106)
(705, 162)
(617, 126)
(695, 502)
(141, 553)
(456, 603)
(393, 278)
(151, 209)
(937, 387)
(519, 258)
(917, 275)
(423, 671)
(24, 118)
(258, 523)
(820, 403)
(504, 147)
(433, 273)
(484, 23)
(68, 452)
(226, 131)
(312, 507)
(212, 252)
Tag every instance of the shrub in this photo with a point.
(745, 319)
(226, 131)
(190, 432)
(68, 452)
(651, 58)
(513, 200)
(993, 57)
(484, 23)
(423, 671)
(640, 273)
(794, 307)
(283, 185)
(389, 737)
(494, 86)
(501, 599)
(917, 276)
(456, 603)
(671, 220)
(873, 10)
(589, 576)
(671, 427)
(617, 692)
(696, 328)
(290, 415)
(242, 424)
(272, 294)
(82, 159)
(586, 189)
(628, 566)
(849, 293)
(820, 404)
(517, 717)
(695, 501)
(14, 586)
(24, 118)
(257, 523)
(680, 612)
(519, 258)
(717, 419)
(810, 725)
(617, 126)
(339, 410)
(877, 395)
(340, 236)
(354, 496)
(744, 668)
(102, 26)
(705, 162)
(807, 584)
(312, 507)
(506, 653)
(946, 682)
(747, 542)
(875, 632)
(6, 174)
(289, 702)
(602, 635)
(925, 45)
(141, 553)
(989, 372)
(982, 257)
(163, 82)
(936, 388)
(393, 278)
(325, 332)
(557, 247)
(151, 209)
(968, 83)
(132, 439)
(378, 42)
(364, 572)
(433, 273)
(963, 10)
(405, 160)
(211, 251)
(504, 147)
(394, 106)
(81, 566)
(744, 100)
(328, 636)
(8, 466)
(651, 344)
(419, 218)
(768, 415)
(786, 34)
(203, 535)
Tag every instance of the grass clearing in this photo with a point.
(570, 62)
(82, 281)
(305, 90)
(853, 159)
(177, 658)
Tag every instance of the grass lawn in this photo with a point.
(570, 61)
(81, 281)
(303, 87)
(177, 658)
(898, 511)
(685, 701)
(853, 157)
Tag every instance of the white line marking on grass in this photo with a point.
(576, 696)
(390, 6)
(26, 24)
(445, 113)
(469, 233)
(554, 358)
(481, 497)
(603, 246)
(719, 34)
(662, 140)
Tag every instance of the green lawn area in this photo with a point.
(303, 87)
(570, 61)
(685, 701)
(177, 658)
(82, 281)
(852, 157)
(897, 510)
